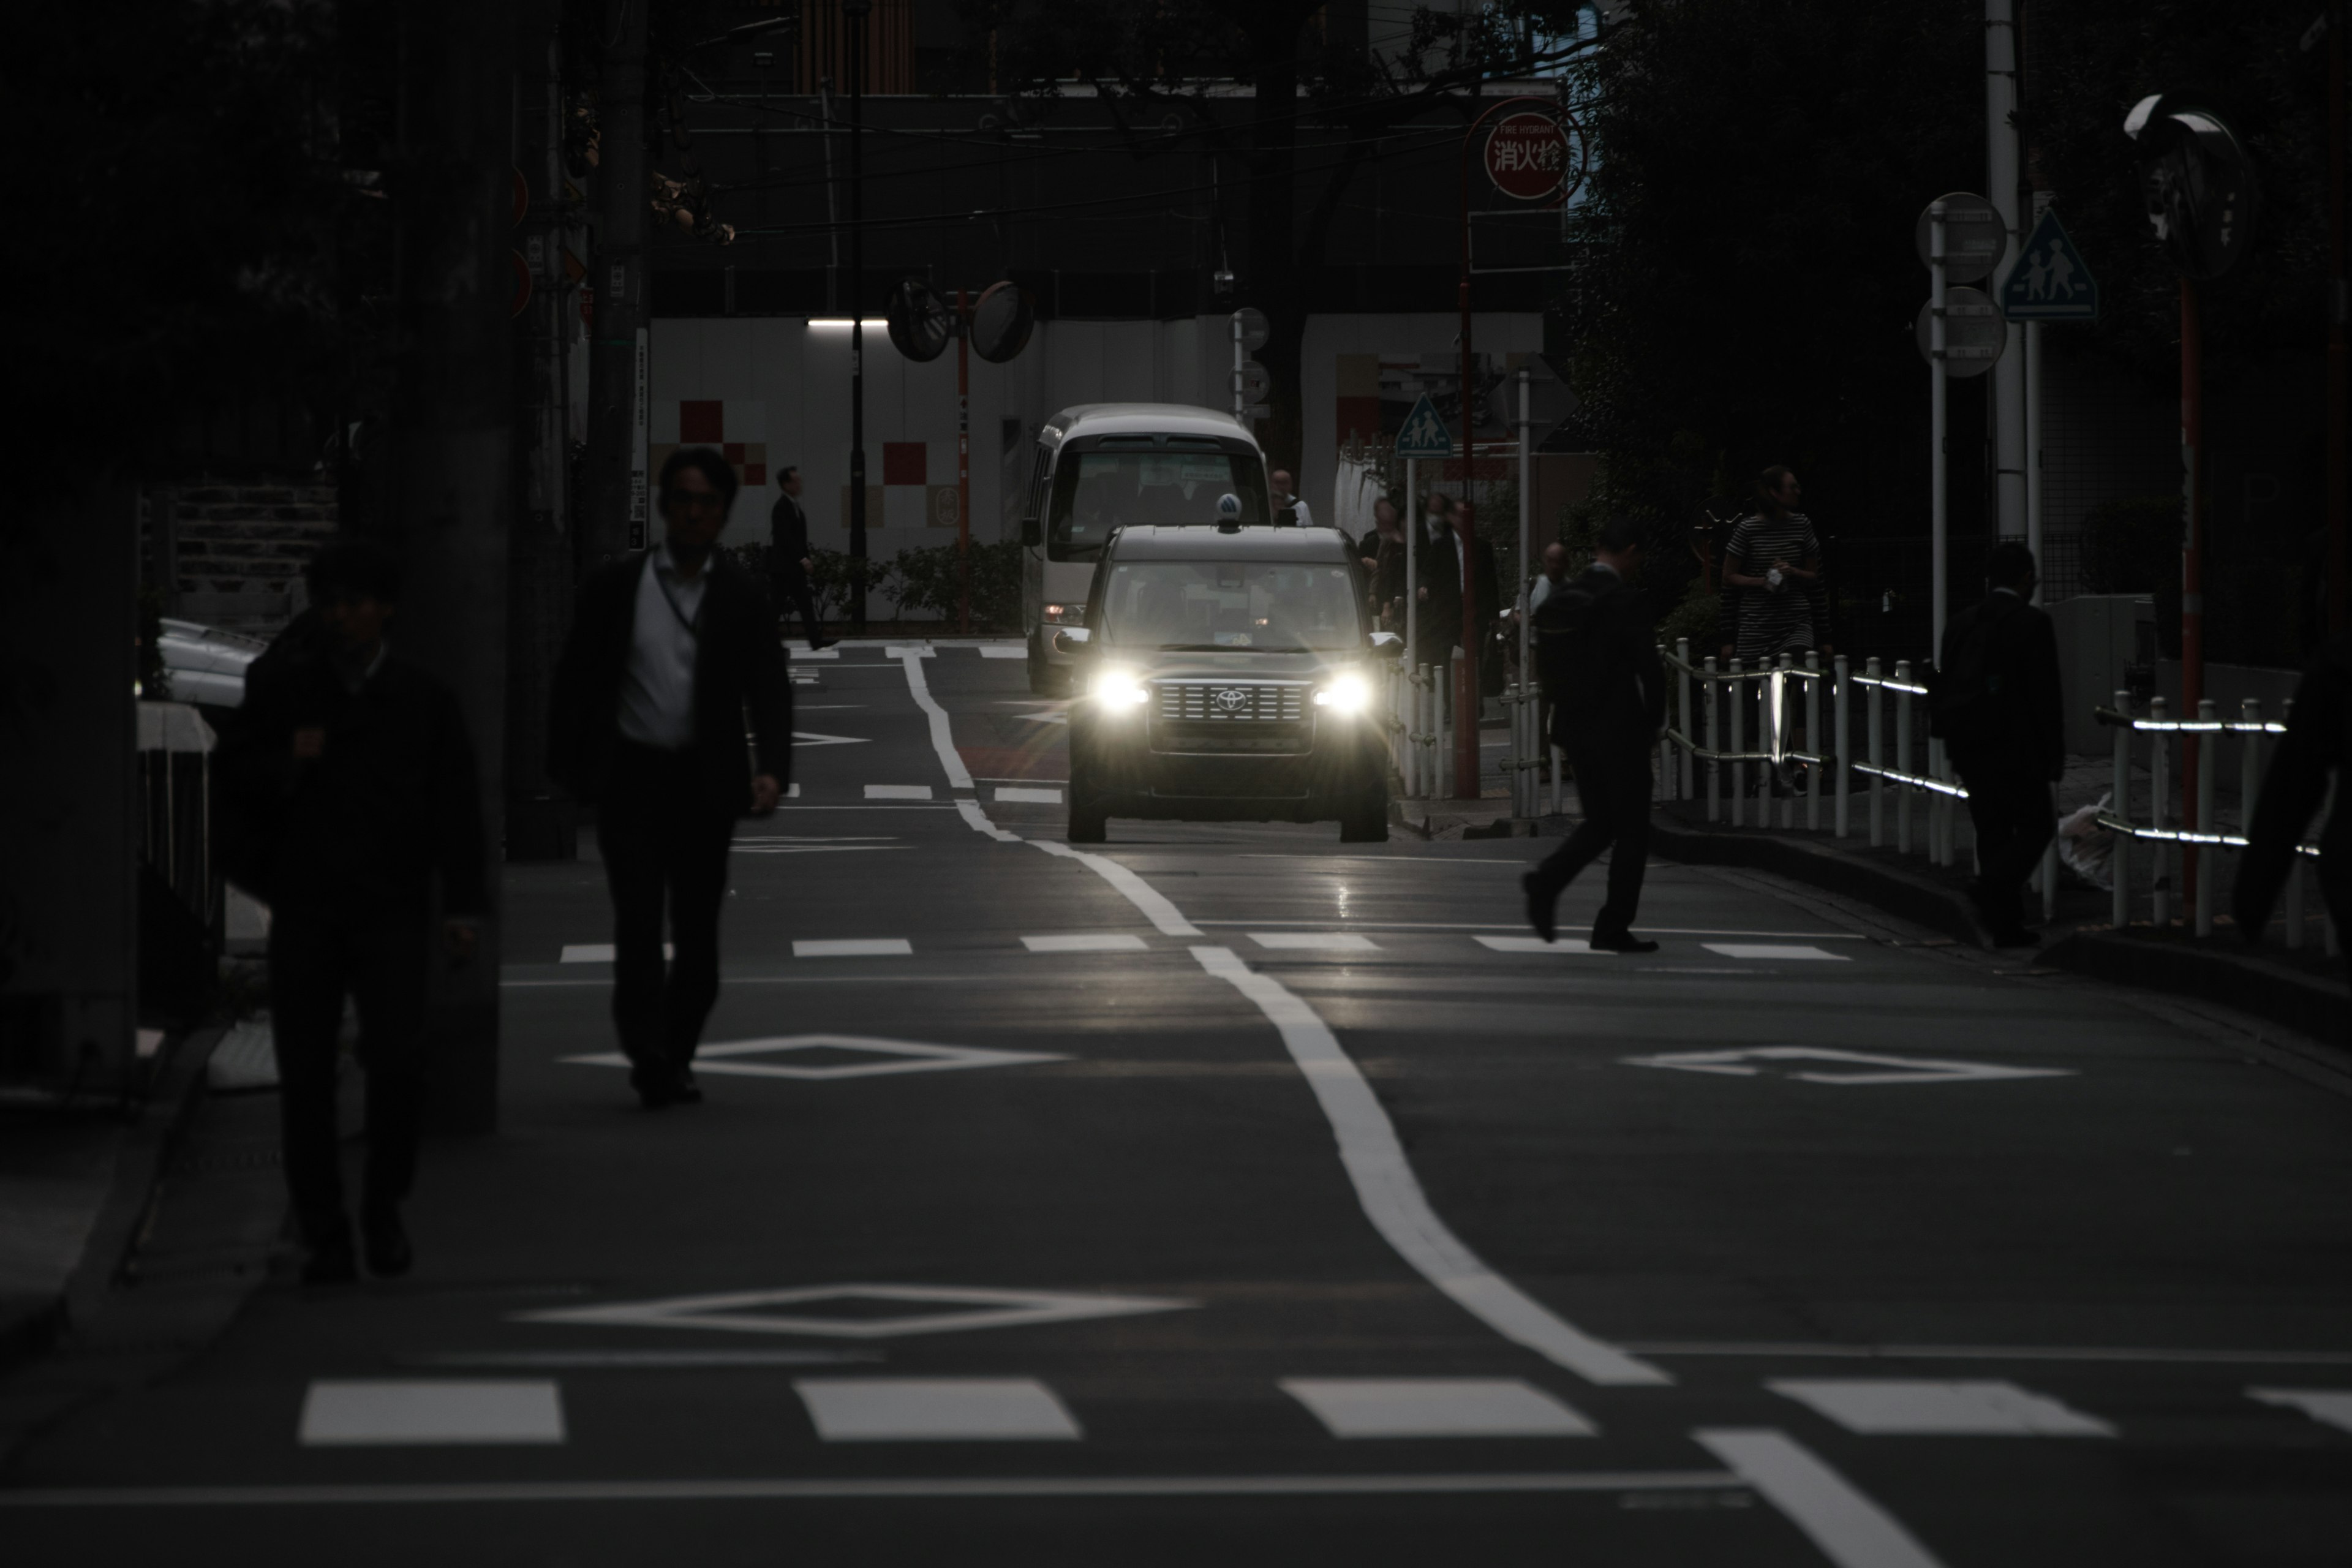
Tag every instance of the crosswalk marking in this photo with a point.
(1009, 794)
(381, 1413)
(1435, 1407)
(1771, 949)
(1085, 941)
(897, 792)
(935, 1409)
(1900, 1406)
(855, 947)
(2329, 1406)
(1313, 940)
(1535, 944)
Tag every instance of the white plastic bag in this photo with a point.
(2085, 848)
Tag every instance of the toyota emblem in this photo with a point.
(1230, 699)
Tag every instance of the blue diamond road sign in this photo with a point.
(1425, 434)
(2051, 281)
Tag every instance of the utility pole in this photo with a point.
(2339, 316)
(613, 514)
(855, 11)
(2009, 371)
(452, 415)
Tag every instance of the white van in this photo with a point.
(1101, 467)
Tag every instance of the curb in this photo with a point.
(2247, 981)
(1919, 900)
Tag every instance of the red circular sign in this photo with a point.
(1527, 156)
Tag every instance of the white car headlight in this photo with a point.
(1120, 688)
(1347, 694)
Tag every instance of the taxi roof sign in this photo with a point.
(2051, 281)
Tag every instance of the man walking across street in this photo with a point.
(790, 559)
(352, 781)
(670, 649)
(1599, 664)
(1997, 708)
(2318, 742)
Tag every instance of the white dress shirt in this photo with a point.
(657, 684)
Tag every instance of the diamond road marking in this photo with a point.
(371, 1413)
(897, 792)
(935, 1409)
(1435, 1407)
(2330, 1406)
(1895, 1406)
(598, 953)
(975, 1307)
(1314, 941)
(1032, 796)
(892, 1058)
(856, 947)
(1771, 949)
(1893, 1069)
(1088, 942)
(1535, 944)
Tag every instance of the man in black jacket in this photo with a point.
(1997, 708)
(2318, 742)
(791, 558)
(348, 774)
(668, 651)
(1598, 656)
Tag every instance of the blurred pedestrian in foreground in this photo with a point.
(790, 558)
(669, 650)
(353, 773)
(1597, 659)
(2318, 742)
(1996, 706)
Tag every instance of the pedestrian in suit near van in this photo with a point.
(671, 650)
(1598, 656)
(791, 558)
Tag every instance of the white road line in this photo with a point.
(935, 1409)
(598, 952)
(1805, 1350)
(1889, 1406)
(1392, 1197)
(978, 820)
(1435, 1407)
(389, 1412)
(2329, 1406)
(856, 947)
(1775, 951)
(1164, 916)
(1029, 796)
(1001, 650)
(638, 1361)
(1851, 1531)
(1085, 941)
(942, 737)
(897, 792)
(797, 1488)
(1535, 944)
(1521, 925)
(1313, 941)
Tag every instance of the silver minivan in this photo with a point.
(1102, 467)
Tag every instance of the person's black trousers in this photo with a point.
(316, 958)
(793, 585)
(1612, 783)
(663, 836)
(2014, 821)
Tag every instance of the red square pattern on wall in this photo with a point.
(701, 422)
(905, 463)
(751, 473)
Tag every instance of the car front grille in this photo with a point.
(1231, 718)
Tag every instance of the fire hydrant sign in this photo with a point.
(1526, 157)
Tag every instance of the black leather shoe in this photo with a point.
(1539, 907)
(388, 1252)
(817, 643)
(332, 1263)
(654, 1092)
(1628, 942)
(687, 1091)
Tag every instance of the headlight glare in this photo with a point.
(1118, 689)
(1347, 694)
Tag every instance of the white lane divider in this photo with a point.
(1313, 941)
(1012, 795)
(1535, 944)
(1003, 650)
(1435, 1407)
(1771, 949)
(935, 1409)
(1164, 916)
(381, 1413)
(1392, 1196)
(1851, 1531)
(977, 821)
(897, 792)
(1086, 941)
(598, 952)
(1893, 1406)
(2329, 1406)
(942, 736)
(856, 947)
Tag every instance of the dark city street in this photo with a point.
(1201, 783)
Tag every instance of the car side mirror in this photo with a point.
(1071, 639)
(1387, 644)
(1031, 535)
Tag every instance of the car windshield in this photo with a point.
(1097, 492)
(1278, 604)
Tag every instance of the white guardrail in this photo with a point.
(1707, 747)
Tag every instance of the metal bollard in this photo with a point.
(1878, 751)
(1841, 702)
(2206, 714)
(2159, 760)
(1738, 689)
(1710, 694)
(1682, 679)
(1902, 792)
(2119, 862)
(1780, 748)
(1813, 742)
(2250, 767)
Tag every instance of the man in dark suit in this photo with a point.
(1598, 657)
(1997, 708)
(2318, 742)
(669, 650)
(351, 781)
(791, 558)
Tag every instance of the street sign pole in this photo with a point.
(963, 464)
(1522, 779)
(1938, 462)
(1413, 527)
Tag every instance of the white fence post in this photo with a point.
(1877, 694)
(1738, 688)
(2160, 761)
(1813, 742)
(2119, 862)
(1840, 705)
(1690, 735)
(1902, 792)
(1710, 699)
(1777, 684)
(2206, 864)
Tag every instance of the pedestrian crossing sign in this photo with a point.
(1425, 434)
(2051, 281)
